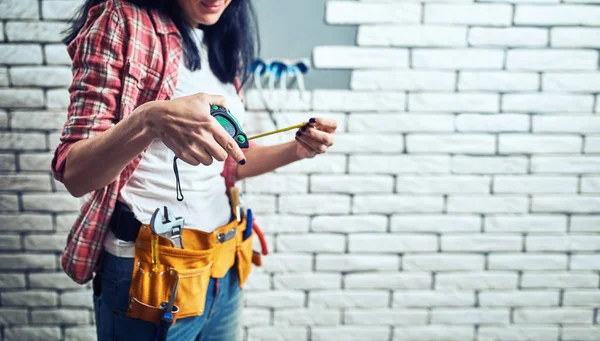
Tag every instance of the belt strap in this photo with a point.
(123, 223)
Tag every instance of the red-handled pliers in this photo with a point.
(261, 238)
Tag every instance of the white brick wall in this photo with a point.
(460, 202)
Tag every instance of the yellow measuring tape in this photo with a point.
(277, 131)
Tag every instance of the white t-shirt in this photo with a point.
(152, 185)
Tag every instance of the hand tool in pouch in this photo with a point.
(165, 224)
(235, 203)
(167, 319)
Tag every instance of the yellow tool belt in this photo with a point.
(205, 255)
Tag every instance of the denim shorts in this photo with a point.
(221, 320)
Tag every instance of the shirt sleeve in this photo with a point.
(97, 66)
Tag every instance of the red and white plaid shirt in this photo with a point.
(123, 57)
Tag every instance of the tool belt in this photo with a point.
(205, 255)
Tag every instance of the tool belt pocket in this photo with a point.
(151, 284)
(244, 253)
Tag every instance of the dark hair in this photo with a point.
(232, 41)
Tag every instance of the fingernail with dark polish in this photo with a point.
(313, 120)
(298, 133)
(243, 162)
(303, 128)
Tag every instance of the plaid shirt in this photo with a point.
(123, 57)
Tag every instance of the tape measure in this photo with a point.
(230, 124)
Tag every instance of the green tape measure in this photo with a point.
(230, 124)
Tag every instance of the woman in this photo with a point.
(145, 75)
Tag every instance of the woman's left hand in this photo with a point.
(315, 137)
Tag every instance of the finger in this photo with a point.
(326, 124)
(307, 147)
(201, 155)
(228, 144)
(213, 148)
(315, 146)
(215, 100)
(318, 135)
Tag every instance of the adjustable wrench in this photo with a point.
(165, 224)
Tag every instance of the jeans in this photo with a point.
(220, 321)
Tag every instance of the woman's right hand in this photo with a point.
(186, 126)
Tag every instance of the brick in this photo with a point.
(565, 164)
(38, 31)
(357, 262)
(277, 184)
(58, 99)
(402, 80)
(45, 242)
(275, 299)
(553, 315)
(9, 203)
(25, 222)
(31, 298)
(535, 184)
(11, 316)
(345, 12)
(61, 316)
(442, 184)
(574, 37)
(46, 76)
(412, 35)
(451, 143)
(314, 204)
(464, 59)
(487, 204)
(468, 14)
(469, 316)
(314, 242)
(571, 81)
(526, 223)
(373, 333)
(585, 262)
(546, 103)
(29, 333)
(22, 141)
(269, 333)
(559, 280)
(358, 100)
(349, 299)
(350, 57)
(307, 317)
(20, 54)
(571, 204)
(442, 262)
(283, 263)
(349, 224)
(512, 332)
(501, 81)
(481, 242)
(433, 333)
(469, 102)
(56, 54)
(388, 280)
(518, 298)
(463, 164)
(35, 162)
(557, 15)
(26, 261)
(511, 36)
(586, 298)
(563, 243)
(10, 242)
(21, 98)
(326, 164)
(529, 261)
(252, 317)
(476, 280)
(293, 101)
(61, 9)
(580, 333)
(53, 281)
(368, 143)
(582, 223)
(3, 83)
(435, 223)
(566, 124)
(399, 164)
(79, 298)
(258, 282)
(25, 182)
(50, 202)
(81, 333)
(46, 120)
(392, 317)
(283, 223)
(427, 298)
(592, 144)
(12, 281)
(550, 59)
(307, 281)
(395, 203)
(391, 243)
(19, 9)
(533, 143)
